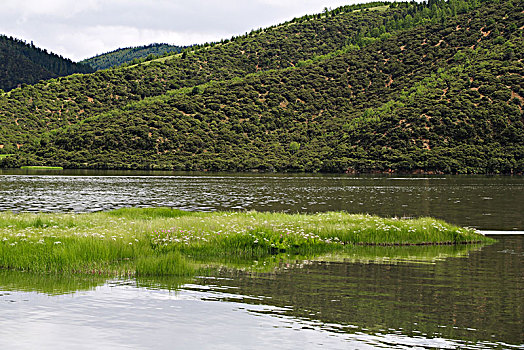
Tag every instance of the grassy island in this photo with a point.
(164, 241)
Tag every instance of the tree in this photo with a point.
(294, 146)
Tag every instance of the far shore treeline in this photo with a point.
(430, 87)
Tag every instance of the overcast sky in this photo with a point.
(79, 29)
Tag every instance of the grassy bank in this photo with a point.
(163, 241)
(40, 167)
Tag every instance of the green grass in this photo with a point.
(2, 156)
(38, 167)
(163, 241)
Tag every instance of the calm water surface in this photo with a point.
(459, 297)
(489, 203)
(440, 297)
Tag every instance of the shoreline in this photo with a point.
(385, 173)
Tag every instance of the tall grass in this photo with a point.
(172, 263)
(163, 241)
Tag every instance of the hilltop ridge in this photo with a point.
(23, 63)
(130, 55)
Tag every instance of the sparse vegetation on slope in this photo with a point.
(416, 88)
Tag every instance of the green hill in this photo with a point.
(130, 55)
(22, 63)
(68, 100)
(414, 88)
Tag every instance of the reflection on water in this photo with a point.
(489, 203)
(49, 284)
(58, 284)
(459, 297)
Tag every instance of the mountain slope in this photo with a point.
(66, 101)
(22, 63)
(436, 98)
(130, 54)
(441, 98)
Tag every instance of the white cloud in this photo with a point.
(81, 29)
(62, 8)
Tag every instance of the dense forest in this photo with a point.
(23, 63)
(131, 55)
(405, 87)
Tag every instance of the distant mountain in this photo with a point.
(130, 54)
(22, 63)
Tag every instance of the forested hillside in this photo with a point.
(131, 55)
(67, 100)
(432, 87)
(22, 63)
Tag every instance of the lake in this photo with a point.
(483, 202)
(450, 297)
